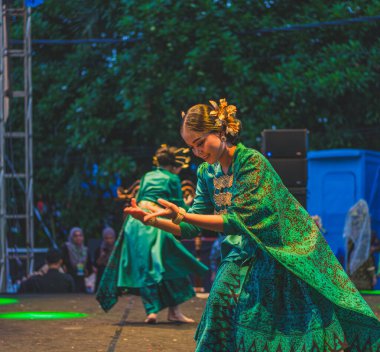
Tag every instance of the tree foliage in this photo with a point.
(113, 104)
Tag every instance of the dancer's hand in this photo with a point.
(152, 208)
(169, 211)
(135, 211)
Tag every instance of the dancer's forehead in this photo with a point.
(192, 137)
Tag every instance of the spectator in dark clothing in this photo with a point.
(102, 254)
(51, 282)
(76, 259)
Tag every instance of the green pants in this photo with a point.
(167, 293)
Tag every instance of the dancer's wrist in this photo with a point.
(179, 216)
(151, 221)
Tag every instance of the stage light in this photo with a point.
(370, 292)
(42, 315)
(4, 301)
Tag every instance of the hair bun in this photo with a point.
(166, 155)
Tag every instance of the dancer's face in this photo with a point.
(207, 146)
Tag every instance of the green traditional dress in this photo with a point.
(279, 286)
(148, 261)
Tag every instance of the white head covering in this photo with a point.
(77, 254)
(357, 229)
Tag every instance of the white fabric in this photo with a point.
(357, 230)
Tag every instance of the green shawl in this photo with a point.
(264, 209)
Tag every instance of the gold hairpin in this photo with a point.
(225, 115)
(181, 159)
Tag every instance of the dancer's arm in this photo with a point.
(167, 225)
(208, 222)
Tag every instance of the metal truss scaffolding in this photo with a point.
(16, 162)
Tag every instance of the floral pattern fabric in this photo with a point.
(279, 287)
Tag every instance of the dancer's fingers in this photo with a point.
(127, 210)
(166, 204)
(133, 210)
(162, 212)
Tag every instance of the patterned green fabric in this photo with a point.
(279, 286)
(148, 259)
(167, 293)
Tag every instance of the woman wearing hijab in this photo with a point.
(76, 260)
(360, 263)
(103, 253)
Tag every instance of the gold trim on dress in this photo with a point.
(223, 199)
(224, 181)
(146, 204)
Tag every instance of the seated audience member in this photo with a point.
(360, 246)
(103, 253)
(53, 281)
(76, 260)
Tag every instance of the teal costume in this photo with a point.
(279, 287)
(148, 261)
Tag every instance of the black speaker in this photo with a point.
(293, 172)
(285, 143)
(299, 193)
(286, 150)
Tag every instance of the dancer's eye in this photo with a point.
(199, 144)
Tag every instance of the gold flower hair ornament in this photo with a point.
(225, 115)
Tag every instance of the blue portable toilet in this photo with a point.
(338, 178)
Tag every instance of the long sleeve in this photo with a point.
(202, 204)
(264, 210)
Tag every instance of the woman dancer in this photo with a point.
(279, 287)
(148, 261)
